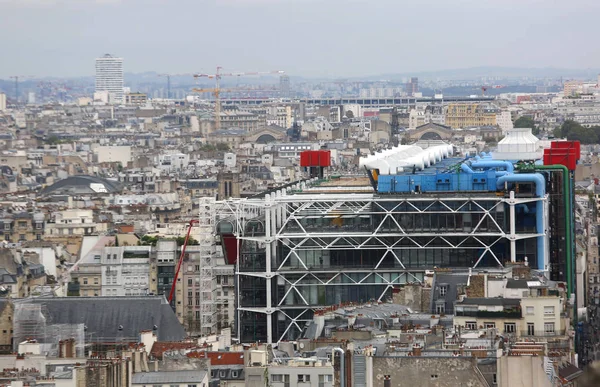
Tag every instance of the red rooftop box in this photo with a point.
(315, 158)
(565, 153)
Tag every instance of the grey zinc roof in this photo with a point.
(104, 315)
(517, 284)
(80, 184)
(490, 301)
(452, 281)
(166, 377)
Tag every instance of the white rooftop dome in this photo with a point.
(519, 144)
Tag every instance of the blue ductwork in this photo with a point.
(540, 191)
(507, 165)
(466, 169)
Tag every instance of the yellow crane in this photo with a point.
(217, 89)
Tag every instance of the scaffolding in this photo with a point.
(207, 251)
(32, 321)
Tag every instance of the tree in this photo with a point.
(191, 241)
(574, 131)
(349, 114)
(527, 122)
(222, 146)
(148, 240)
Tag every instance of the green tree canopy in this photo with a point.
(222, 146)
(574, 131)
(526, 122)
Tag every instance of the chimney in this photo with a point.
(387, 382)
(417, 349)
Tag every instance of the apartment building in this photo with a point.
(71, 222)
(298, 372)
(22, 226)
(463, 115)
(517, 307)
(125, 270)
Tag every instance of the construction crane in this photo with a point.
(168, 76)
(217, 89)
(16, 78)
(484, 88)
(185, 242)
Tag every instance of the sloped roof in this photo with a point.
(80, 184)
(104, 315)
(166, 377)
(160, 347)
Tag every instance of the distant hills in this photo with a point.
(491, 71)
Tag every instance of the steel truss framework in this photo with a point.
(303, 242)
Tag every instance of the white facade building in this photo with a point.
(71, 222)
(504, 121)
(125, 270)
(113, 154)
(109, 77)
(2, 102)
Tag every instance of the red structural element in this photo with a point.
(315, 158)
(231, 248)
(565, 153)
(187, 238)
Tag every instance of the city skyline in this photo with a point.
(262, 35)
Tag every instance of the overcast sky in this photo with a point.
(333, 38)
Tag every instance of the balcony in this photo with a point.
(488, 313)
(556, 332)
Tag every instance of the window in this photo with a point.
(303, 378)
(471, 325)
(22, 237)
(549, 310)
(114, 256)
(530, 329)
(440, 307)
(489, 324)
(529, 310)
(549, 327)
(510, 327)
(85, 282)
(494, 379)
(190, 282)
(278, 378)
(434, 376)
(95, 280)
(234, 374)
(325, 379)
(443, 290)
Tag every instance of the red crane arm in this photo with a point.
(187, 238)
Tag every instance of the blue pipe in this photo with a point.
(540, 191)
(507, 165)
(466, 169)
(525, 208)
